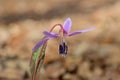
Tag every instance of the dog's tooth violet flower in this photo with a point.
(65, 32)
(39, 49)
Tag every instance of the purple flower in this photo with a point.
(64, 32)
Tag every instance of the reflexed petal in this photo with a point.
(81, 31)
(40, 43)
(67, 25)
(50, 34)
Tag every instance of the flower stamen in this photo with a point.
(63, 48)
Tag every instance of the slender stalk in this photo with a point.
(56, 26)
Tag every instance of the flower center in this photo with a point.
(63, 48)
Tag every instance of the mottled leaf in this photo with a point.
(37, 59)
(33, 60)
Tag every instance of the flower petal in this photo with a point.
(81, 31)
(50, 34)
(67, 25)
(40, 43)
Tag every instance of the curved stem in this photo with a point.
(56, 26)
(60, 31)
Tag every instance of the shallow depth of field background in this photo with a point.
(94, 55)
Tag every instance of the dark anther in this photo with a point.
(63, 48)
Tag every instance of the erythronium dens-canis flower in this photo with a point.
(38, 53)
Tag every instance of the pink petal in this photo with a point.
(67, 25)
(81, 31)
(40, 43)
(50, 34)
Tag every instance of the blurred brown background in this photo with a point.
(94, 55)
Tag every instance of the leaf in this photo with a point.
(41, 59)
(39, 64)
(33, 60)
(37, 59)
